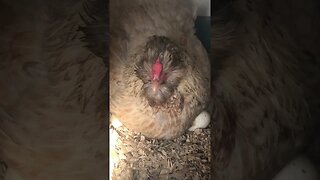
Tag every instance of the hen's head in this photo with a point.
(161, 69)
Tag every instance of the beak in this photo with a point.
(155, 85)
(155, 78)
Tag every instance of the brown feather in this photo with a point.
(141, 31)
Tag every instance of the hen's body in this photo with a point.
(265, 78)
(141, 32)
(52, 108)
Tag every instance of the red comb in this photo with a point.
(157, 69)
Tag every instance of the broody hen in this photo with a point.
(265, 85)
(159, 70)
(53, 93)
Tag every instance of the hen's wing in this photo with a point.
(52, 108)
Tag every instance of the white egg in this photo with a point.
(115, 122)
(300, 168)
(201, 121)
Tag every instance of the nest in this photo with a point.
(136, 157)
